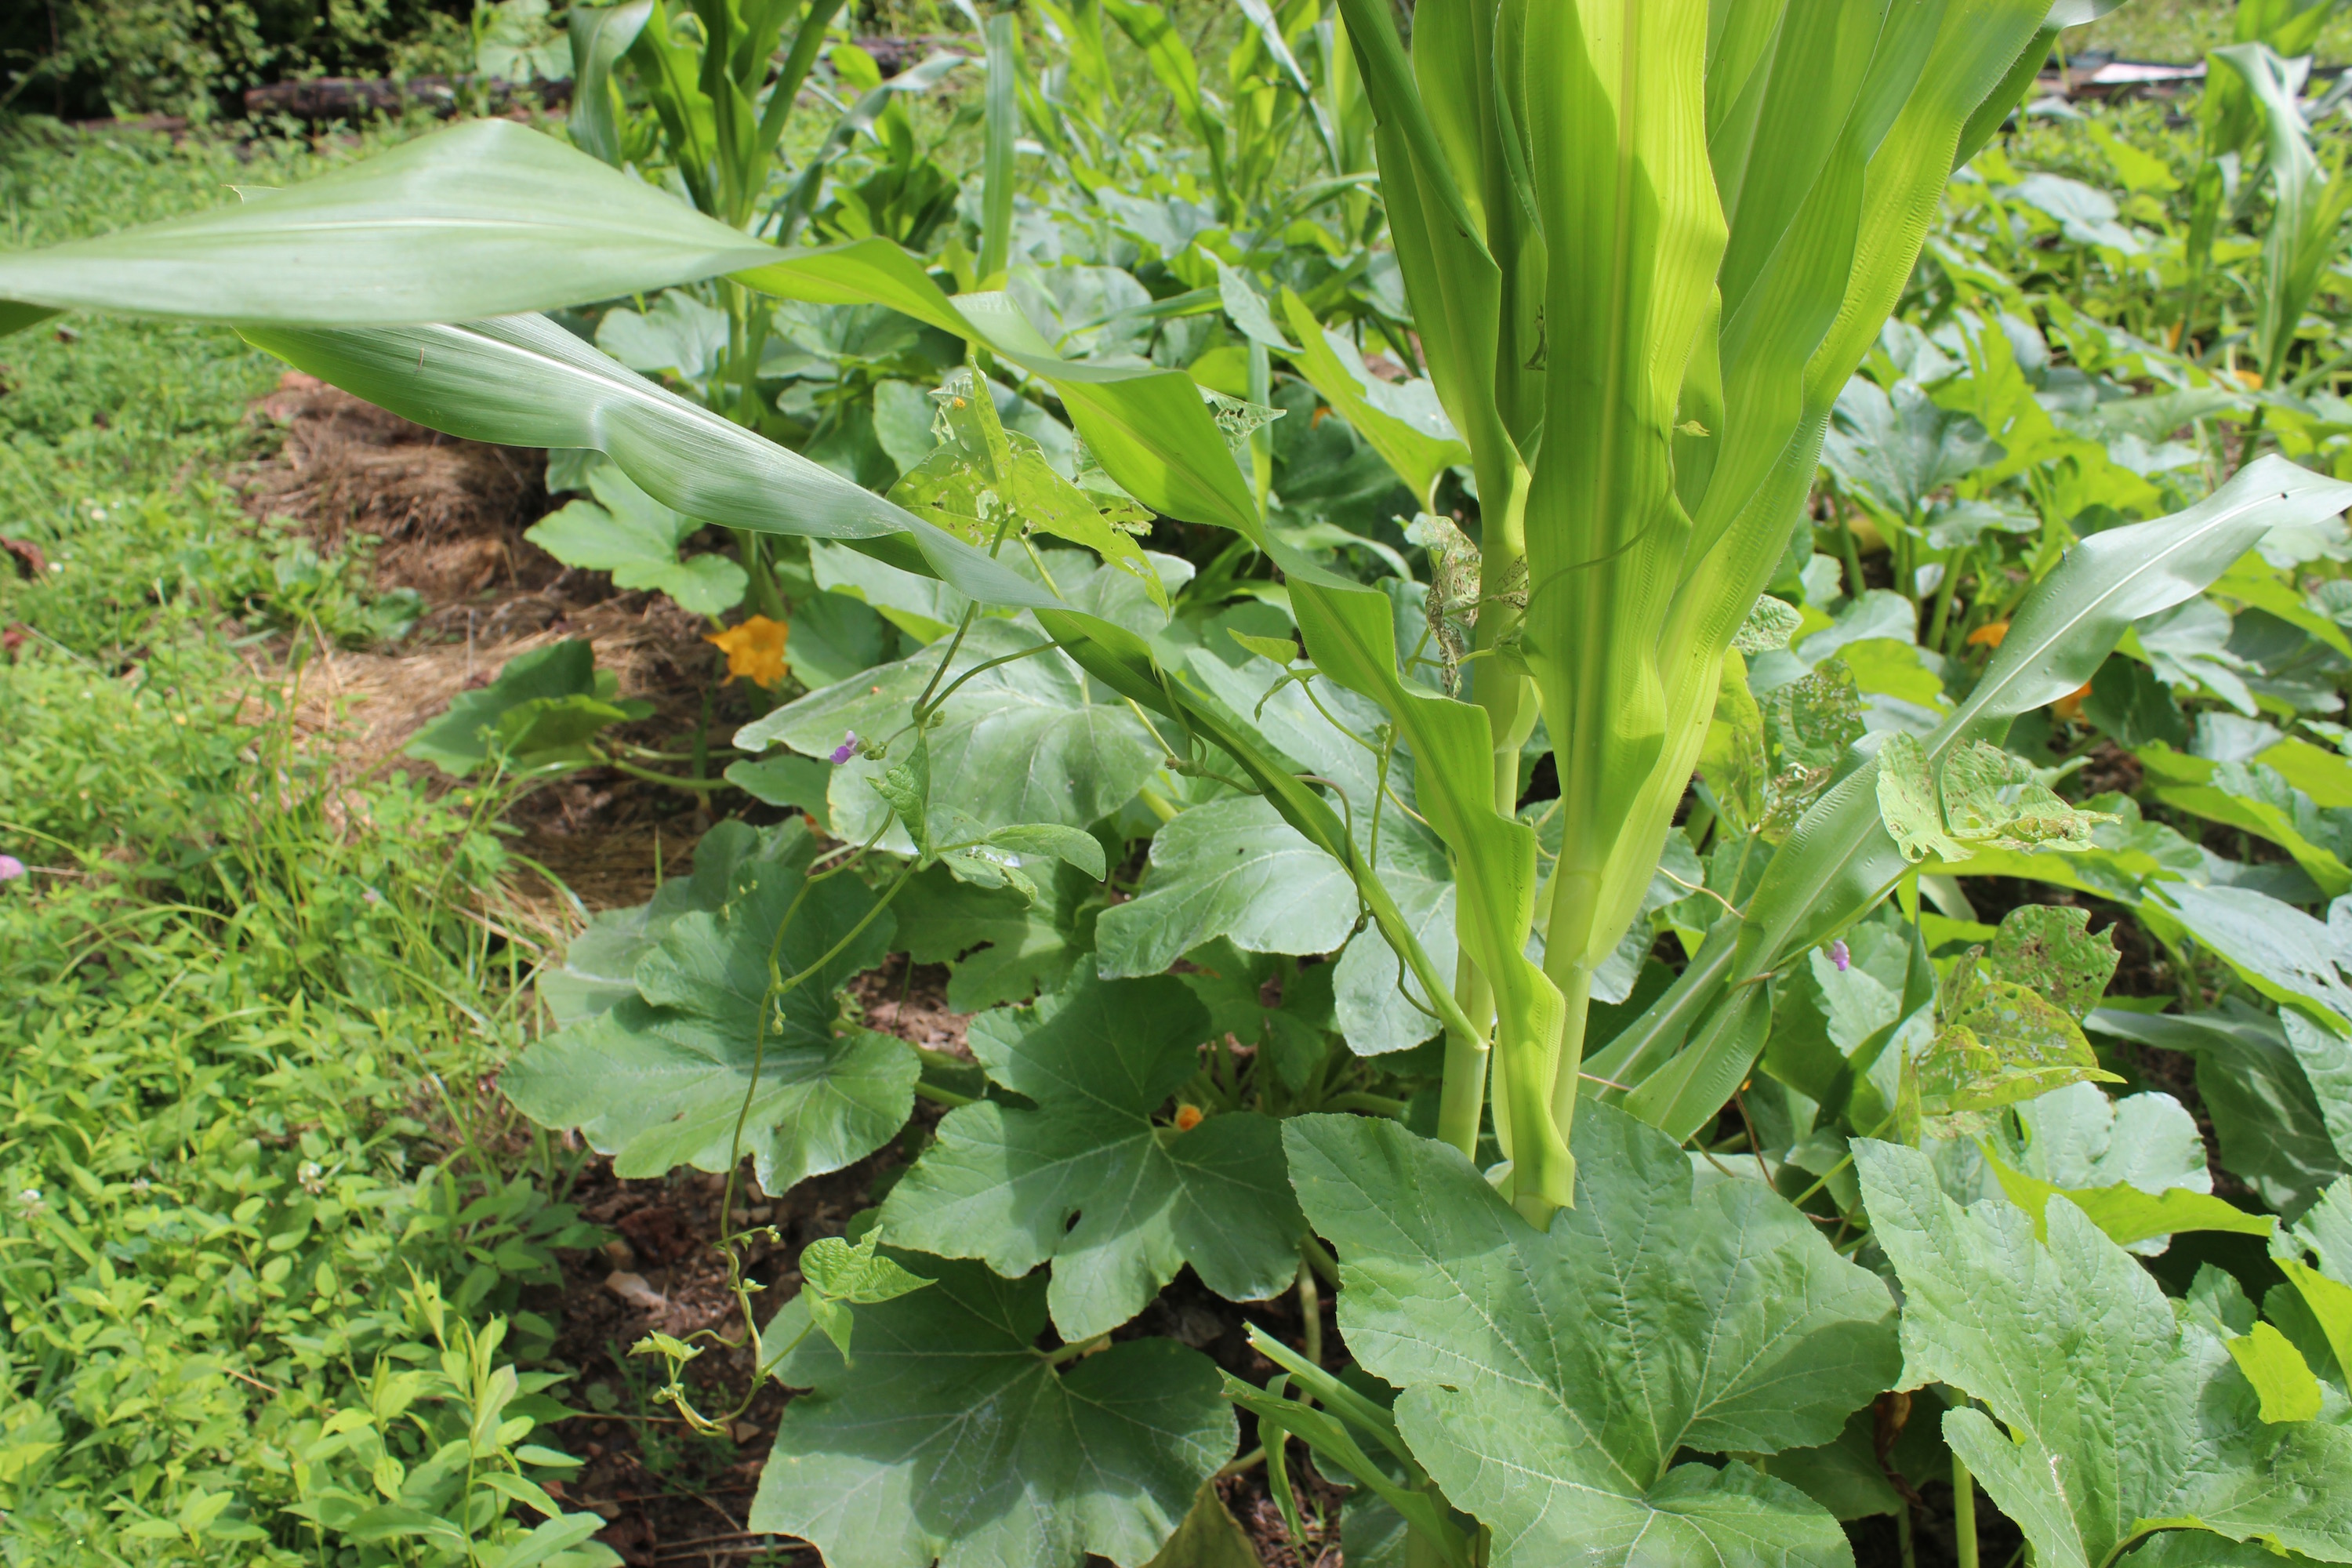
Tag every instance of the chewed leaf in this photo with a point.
(1811, 721)
(2050, 949)
(1906, 801)
(1732, 760)
(1995, 1043)
(983, 481)
(1238, 418)
(1993, 799)
(1454, 568)
(1985, 799)
(1769, 624)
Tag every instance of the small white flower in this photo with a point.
(311, 1176)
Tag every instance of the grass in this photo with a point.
(2182, 30)
(249, 1170)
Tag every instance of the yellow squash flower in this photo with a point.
(754, 650)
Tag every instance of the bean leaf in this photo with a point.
(1019, 743)
(2049, 948)
(542, 707)
(835, 1274)
(1987, 799)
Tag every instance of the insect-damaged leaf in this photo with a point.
(1769, 624)
(999, 946)
(1716, 1320)
(2109, 1417)
(984, 481)
(1988, 799)
(659, 1080)
(2049, 948)
(955, 1440)
(1997, 1043)
(1099, 1060)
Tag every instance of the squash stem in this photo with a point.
(1964, 1513)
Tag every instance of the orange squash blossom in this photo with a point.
(754, 650)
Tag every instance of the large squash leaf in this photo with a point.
(635, 537)
(658, 1078)
(955, 1440)
(1551, 1378)
(2272, 1129)
(1099, 1060)
(1018, 743)
(2109, 1420)
(1230, 868)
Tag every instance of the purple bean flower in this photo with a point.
(10, 868)
(1838, 956)
(848, 747)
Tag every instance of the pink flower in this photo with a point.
(1838, 956)
(848, 747)
(10, 868)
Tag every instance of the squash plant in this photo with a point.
(1644, 246)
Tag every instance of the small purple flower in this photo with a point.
(10, 868)
(848, 747)
(1838, 956)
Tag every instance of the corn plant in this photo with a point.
(717, 84)
(1644, 249)
(2235, 116)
